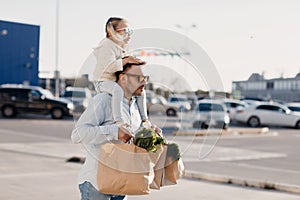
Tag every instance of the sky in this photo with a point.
(240, 37)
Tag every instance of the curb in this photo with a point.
(267, 185)
(196, 132)
(243, 182)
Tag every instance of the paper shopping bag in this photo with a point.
(159, 169)
(125, 169)
(167, 171)
(172, 172)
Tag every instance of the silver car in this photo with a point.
(79, 96)
(211, 113)
(269, 114)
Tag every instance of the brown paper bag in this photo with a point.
(172, 172)
(159, 169)
(167, 171)
(125, 169)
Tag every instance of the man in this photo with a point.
(96, 126)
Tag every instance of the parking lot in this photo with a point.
(269, 157)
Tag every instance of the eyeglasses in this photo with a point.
(127, 30)
(140, 78)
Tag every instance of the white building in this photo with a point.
(284, 89)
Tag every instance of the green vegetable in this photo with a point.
(148, 139)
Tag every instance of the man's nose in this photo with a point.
(144, 81)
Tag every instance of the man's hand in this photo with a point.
(124, 134)
(131, 59)
(157, 130)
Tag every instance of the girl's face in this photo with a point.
(123, 32)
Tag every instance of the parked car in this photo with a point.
(295, 107)
(79, 96)
(233, 106)
(158, 103)
(18, 99)
(180, 101)
(211, 113)
(268, 114)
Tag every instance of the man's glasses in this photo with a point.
(127, 30)
(140, 78)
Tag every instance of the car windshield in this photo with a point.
(74, 94)
(46, 93)
(178, 99)
(163, 100)
(294, 108)
(206, 107)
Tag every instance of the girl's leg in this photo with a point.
(117, 93)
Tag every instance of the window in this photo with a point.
(270, 108)
(21, 94)
(206, 107)
(294, 108)
(35, 94)
(270, 85)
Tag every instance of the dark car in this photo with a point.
(31, 99)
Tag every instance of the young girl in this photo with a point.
(111, 57)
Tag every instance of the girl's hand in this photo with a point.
(133, 60)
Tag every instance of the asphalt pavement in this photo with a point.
(35, 164)
(37, 174)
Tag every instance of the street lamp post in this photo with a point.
(56, 72)
(186, 29)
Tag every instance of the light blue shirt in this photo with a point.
(96, 126)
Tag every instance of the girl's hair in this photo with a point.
(111, 25)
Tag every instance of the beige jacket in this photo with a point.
(109, 60)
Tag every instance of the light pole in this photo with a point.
(186, 29)
(56, 72)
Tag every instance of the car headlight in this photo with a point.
(70, 106)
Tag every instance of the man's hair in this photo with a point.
(126, 67)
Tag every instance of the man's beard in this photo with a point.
(139, 91)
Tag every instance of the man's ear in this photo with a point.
(123, 78)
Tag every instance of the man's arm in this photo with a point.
(88, 129)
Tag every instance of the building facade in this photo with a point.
(19, 53)
(284, 89)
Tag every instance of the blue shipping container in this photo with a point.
(19, 53)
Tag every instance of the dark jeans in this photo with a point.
(89, 192)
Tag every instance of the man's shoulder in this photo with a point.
(102, 96)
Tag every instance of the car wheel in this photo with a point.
(197, 124)
(298, 125)
(171, 112)
(8, 111)
(204, 126)
(253, 122)
(57, 113)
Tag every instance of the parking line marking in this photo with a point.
(26, 134)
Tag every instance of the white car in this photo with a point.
(268, 114)
(79, 96)
(157, 103)
(234, 106)
(180, 101)
(211, 113)
(295, 107)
